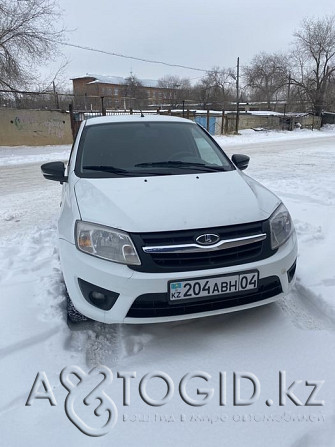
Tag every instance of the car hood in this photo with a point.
(168, 203)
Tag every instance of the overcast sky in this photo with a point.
(195, 33)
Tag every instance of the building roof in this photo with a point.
(116, 80)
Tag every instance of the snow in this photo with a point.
(259, 112)
(295, 335)
(116, 80)
(248, 136)
(17, 155)
(105, 79)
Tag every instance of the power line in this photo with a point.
(128, 57)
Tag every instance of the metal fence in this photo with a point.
(81, 106)
(216, 122)
(20, 99)
(328, 118)
(78, 116)
(207, 119)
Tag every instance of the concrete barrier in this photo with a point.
(26, 127)
(249, 121)
(270, 122)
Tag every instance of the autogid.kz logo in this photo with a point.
(89, 407)
(105, 407)
(81, 397)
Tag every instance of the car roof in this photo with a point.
(135, 118)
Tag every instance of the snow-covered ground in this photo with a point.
(295, 335)
(14, 155)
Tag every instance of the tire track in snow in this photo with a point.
(306, 310)
(319, 437)
(37, 339)
(14, 404)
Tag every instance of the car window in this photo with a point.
(134, 146)
(205, 149)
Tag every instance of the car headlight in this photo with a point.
(105, 243)
(281, 226)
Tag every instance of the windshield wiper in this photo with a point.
(107, 169)
(182, 165)
(120, 171)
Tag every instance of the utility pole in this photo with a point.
(237, 95)
(289, 88)
(55, 95)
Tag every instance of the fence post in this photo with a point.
(72, 120)
(130, 111)
(103, 110)
(226, 127)
(188, 113)
(222, 122)
(207, 121)
(55, 95)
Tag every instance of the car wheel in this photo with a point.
(73, 315)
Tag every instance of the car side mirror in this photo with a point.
(240, 161)
(54, 171)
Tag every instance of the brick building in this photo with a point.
(116, 92)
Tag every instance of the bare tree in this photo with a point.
(216, 88)
(222, 80)
(202, 92)
(28, 36)
(330, 97)
(58, 78)
(176, 90)
(266, 77)
(314, 59)
(134, 94)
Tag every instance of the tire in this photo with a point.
(73, 315)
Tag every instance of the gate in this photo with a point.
(202, 120)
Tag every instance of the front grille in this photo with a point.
(182, 262)
(153, 305)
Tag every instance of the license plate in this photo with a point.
(218, 285)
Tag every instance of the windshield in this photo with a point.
(148, 148)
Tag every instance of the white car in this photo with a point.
(158, 224)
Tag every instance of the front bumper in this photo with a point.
(130, 284)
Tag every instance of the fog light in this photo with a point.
(97, 295)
